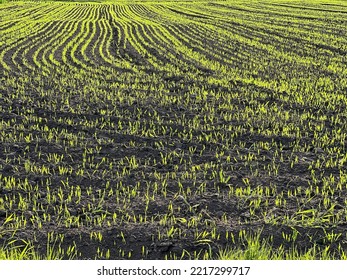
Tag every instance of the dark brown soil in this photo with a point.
(87, 115)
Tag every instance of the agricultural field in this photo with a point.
(173, 130)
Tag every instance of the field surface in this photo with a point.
(173, 130)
